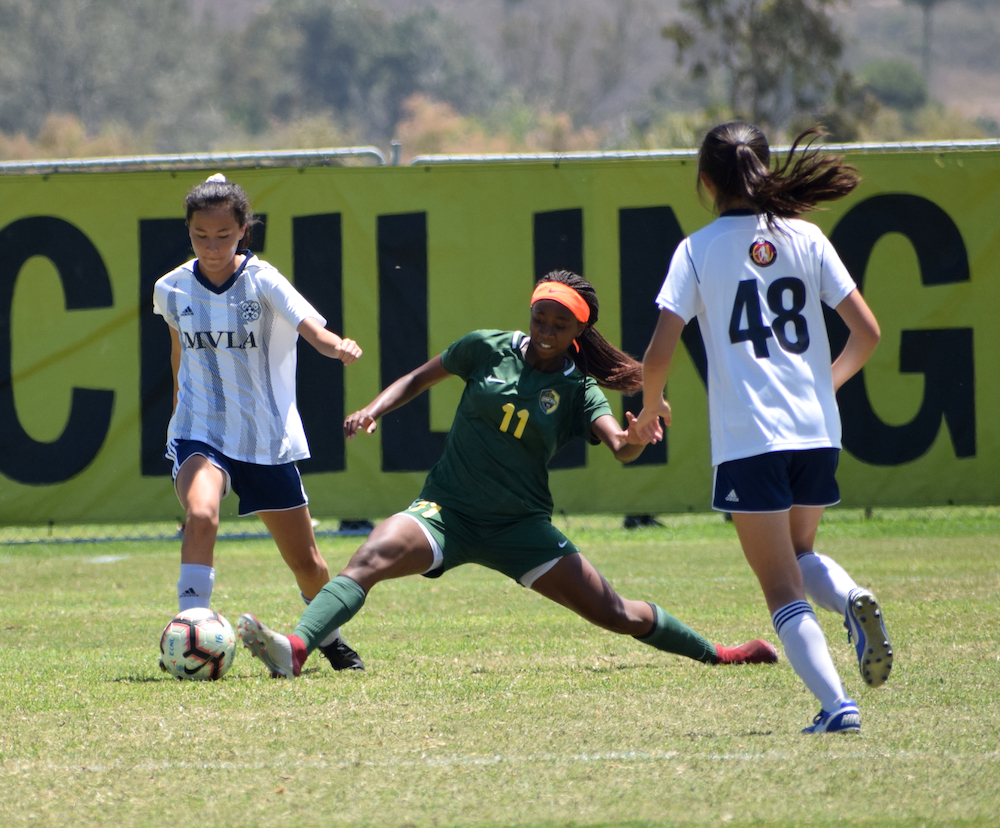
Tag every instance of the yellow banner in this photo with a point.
(406, 260)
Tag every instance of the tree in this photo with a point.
(895, 83)
(927, 14)
(561, 56)
(351, 60)
(129, 62)
(780, 60)
(927, 8)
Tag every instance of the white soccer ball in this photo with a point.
(198, 644)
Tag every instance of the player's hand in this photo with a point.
(633, 435)
(359, 420)
(647, 424)
(349, 351)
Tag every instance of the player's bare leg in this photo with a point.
(577, 585)
(293, 534)
(292, 530)
(397, 547)
(766, 539)
(200, 485)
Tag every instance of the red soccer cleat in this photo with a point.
(757, 651)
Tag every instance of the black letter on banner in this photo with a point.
(163, 245)
(558, 240)
(86, 285)
(647, 238)
(408, 444)
(317, 255)
(944, 357)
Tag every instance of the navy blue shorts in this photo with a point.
(259, 488)
(776, 481)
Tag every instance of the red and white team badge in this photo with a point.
(763, 253)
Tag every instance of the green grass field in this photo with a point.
(484, 705)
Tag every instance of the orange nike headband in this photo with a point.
(564, 295)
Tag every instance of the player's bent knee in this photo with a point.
(314, 570)
(366, 562)
(198, 519)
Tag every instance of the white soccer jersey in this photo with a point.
(237, 370)
(757, 294)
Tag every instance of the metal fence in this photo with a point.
(339, 157)
(621, 155)
(373, 156)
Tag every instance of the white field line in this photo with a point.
(8, 769)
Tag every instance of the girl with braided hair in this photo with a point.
(487, 499)
(755, 278)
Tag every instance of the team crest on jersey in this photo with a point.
(548, 400)
(250, 310)
(763, 253)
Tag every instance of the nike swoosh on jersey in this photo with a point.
(494, 379)
(561, 545)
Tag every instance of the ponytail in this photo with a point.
(736, 158)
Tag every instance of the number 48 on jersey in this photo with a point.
(785, 291)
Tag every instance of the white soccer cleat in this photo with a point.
(272, 648)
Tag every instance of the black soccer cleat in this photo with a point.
(341, 656)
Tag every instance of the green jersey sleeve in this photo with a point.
(595, 405)
(464, 355)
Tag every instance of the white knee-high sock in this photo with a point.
(332, 636)
(194, 587)
(826, 581)
(806, 650)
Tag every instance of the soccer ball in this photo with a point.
(197, 644)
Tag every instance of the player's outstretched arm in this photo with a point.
(655, 367)
(327, 342)
(399, 393)
(626, 444)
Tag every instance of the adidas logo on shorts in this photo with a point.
(732, 497)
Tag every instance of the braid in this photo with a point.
(598, 358)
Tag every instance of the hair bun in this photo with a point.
(218, 178)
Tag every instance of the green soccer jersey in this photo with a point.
(511, 420)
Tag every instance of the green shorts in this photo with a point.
(523, 549)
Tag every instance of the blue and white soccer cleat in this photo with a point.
(866, 629)
(845, 720)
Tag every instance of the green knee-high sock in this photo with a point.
(337, 603)
(672, 636)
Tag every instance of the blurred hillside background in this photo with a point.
(84, 78)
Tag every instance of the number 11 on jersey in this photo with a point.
(508, 414)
